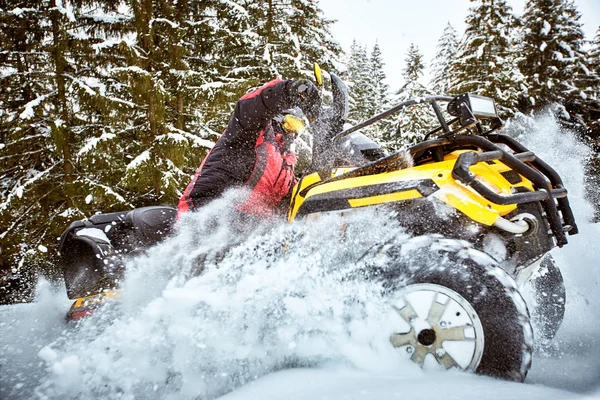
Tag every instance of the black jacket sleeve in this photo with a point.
(254, 110)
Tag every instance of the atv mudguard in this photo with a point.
(92, 251)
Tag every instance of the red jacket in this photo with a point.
(249, 154)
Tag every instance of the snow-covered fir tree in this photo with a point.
(441, 65)
(595, 52)
(52, 81)
(486, 59)
(554, 59)
(363, 93)
(379, 80)
(594, 112)
(412, 123)
(112, 105)
(414, 64)
(272, 39)
(593, 132)
(29, 160)
(381, 91)
(369, 92)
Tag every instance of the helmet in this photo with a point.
(292, 122)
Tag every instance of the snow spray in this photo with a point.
(211, 309)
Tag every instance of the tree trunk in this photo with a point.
(63, 129)
(180, 110)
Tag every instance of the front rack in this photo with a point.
(527, 164)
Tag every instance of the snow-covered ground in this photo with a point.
(283, 316)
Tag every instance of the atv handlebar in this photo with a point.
(419, 100)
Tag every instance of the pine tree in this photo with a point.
(363, 95)
(595, 53)
(47, 92)
(379, 80)
(441, 65)
(380, 92)
(414, 122)
(594, 108)
(593, 132)
(485, 63)
(111, 105)
(73, 123)
(26, 147)
(255, 42)
(557, 66)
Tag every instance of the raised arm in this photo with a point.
(255, 109)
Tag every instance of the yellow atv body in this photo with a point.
(431, 179)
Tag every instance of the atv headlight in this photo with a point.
(480, 106)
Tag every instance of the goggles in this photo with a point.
(293, 124)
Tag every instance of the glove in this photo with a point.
(304, 94)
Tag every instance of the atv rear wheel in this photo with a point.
(462, 315)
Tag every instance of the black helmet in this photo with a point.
(291, 121)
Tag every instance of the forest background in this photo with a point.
(106, 106)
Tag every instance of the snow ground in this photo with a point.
(346, 384)
(296, 330)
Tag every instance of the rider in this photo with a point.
(254, 151)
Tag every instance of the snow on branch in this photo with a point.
(236, 7)
(139, 160)
(212, 85)
(170, 176)
(195, 139)
(173, 25)
(107, 18)
(546, 28)
(93, 142)
(28, 112)
(117, 100)
(83, 85)
(171, 137)
(19, 11)
(19, 189)
(107, 190)
(566, 48)
(133, 68)
(67, 11)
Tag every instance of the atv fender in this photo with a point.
(89, 263)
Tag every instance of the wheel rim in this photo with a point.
(437, 325)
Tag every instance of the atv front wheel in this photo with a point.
(456, 340)
(460, 314)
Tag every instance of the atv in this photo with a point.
(508, 210)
